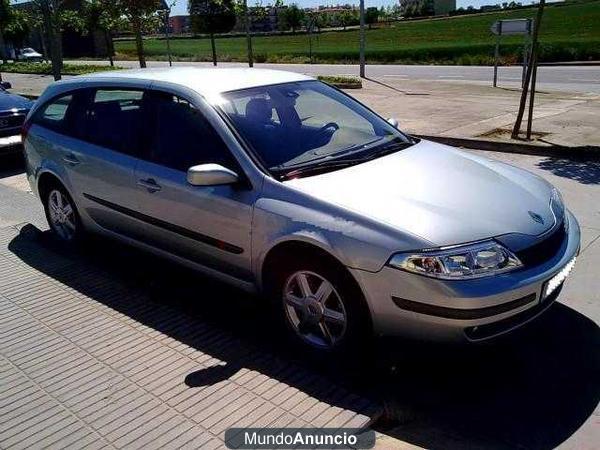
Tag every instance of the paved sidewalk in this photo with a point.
(537, 388)
(88, 361)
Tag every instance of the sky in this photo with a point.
(181, 5)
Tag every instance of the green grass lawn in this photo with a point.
(569, 32)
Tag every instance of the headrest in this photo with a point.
(259, 110)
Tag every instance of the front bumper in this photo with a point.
(420, 307)
(10, 144)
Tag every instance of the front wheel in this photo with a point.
(321, 306)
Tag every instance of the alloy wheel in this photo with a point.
(314, 309)
(62, 215)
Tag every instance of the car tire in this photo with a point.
(62, 215)
(332, 317)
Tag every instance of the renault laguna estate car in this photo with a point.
(285, 186)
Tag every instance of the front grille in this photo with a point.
(545, 249)
(12, 121)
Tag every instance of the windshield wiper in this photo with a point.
(291, 172)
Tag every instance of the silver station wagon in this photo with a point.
(283, 185)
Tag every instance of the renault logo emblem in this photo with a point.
(536, 217)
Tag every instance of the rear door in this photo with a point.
(209, 225)
(103, 166)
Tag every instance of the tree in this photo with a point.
(531, 69)
(212, 17)
(18, 28)
(103, 16)
(55, 17)
(371, 16)
(319, 21)
(347, 17)
(5, 19)
(141, 14)
(293, 16)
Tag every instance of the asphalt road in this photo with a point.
(557, 78)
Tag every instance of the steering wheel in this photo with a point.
(325, 129)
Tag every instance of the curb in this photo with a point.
(571, 63)
(30, 96)
(581, 153)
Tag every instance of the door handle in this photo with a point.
(71, 159)
(150, 185)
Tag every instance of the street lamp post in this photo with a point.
(167, 14)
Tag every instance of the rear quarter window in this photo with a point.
(54, 114)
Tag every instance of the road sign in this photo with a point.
(512, 27)
(523, 27)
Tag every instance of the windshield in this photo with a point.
(297, 124)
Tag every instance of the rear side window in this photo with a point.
(54, 115)
(114, 118)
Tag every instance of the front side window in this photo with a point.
(114, 119)
(181, 136)
(306, 123)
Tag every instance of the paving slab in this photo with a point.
(81, 376)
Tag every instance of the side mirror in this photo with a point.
(393, 122)
(211, 175)
(6, 85)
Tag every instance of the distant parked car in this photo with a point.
(278, 183)
(30, 55)
(13, 110)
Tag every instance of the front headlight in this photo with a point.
(459, 262)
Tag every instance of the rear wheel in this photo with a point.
(62, 215)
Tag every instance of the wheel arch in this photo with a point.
(298, 245)
(47, 179)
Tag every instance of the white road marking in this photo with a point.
(396, 76)
(450, 76)
(585, 80)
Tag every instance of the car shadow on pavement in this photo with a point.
(532, 389)
(11, 165)
(585, 172)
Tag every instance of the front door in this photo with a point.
(209, 225)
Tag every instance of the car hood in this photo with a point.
(440, 194)
(9, 101)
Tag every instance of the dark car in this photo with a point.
(13, 109)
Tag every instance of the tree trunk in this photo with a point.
(248, 36)
(139, 43)
(538, 22)
(43, 42)
(2, 47)
(53, 40)
(109, 49)
(55, 53)
(214, 49)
